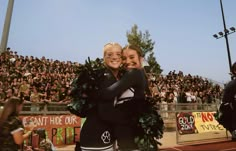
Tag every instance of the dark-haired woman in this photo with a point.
(126, 98)
(12, 133)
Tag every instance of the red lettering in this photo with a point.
(204, 118)
(207, 117)
(210, 117)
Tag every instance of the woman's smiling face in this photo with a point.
(131, 59)
(112, 57)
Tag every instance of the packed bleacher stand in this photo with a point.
(180, 88)
(36, 80)
(47, 81)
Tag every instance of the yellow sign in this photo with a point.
(205, 122)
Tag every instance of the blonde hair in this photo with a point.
(110, 45)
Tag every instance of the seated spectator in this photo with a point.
(63, 95)
(44, 143)
(35, 99)
(54, 95)
(24, 87)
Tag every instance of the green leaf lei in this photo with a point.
(85, 85)
(151, 127)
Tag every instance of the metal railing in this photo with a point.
(42, 108)
(167, 110)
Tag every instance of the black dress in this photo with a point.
(123, 102)
(96, 134)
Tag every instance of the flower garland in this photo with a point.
(84, 87)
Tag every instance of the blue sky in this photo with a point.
(77, 29)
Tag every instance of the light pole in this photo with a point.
(6, 27)
(225, 34)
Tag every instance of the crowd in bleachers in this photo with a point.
(47, 80)
(35, 79)
(179, 88)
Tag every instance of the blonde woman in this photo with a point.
(96, 134)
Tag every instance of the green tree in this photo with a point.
(154, 67)
(146, 44)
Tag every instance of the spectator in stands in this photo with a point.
(188, 95)
(24, 87)
(12, 134)
(14, 83)
(2, 95)
(35, 99)
(62, 95)
(153, 88)
(45, 144)
(54, 95)
(26, 95)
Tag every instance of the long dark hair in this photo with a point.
(140, 55)
(10, 108)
